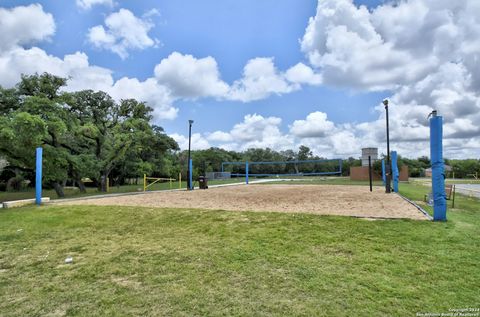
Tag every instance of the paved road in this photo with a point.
(468, 189)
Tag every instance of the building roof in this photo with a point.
(447, 168)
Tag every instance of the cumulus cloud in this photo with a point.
(426, 52)
(88, 4)
(220, 136)
(256, 128)
(19, 61)
(190, 77)
(123, 31)
(326, 138)
(392, 45)
(315, 125)
(198, 142)
(302, 74)
(342, 41)
(255, 131)
(24, 25)
(260, 80)
(156, 96)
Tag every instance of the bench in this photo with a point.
(449, 190)
(449, 193)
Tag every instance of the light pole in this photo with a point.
(189, 172)
(388, 168)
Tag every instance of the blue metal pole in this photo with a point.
(38, 176)
(383, 172)
(395, 171)
(190, 171)
(246, 172)
(341, 166)
(438, 175)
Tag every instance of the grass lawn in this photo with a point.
(145, 261)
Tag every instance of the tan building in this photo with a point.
(360, 173)
(448, 170)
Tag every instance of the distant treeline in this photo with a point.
(86, 135)
(460, 168)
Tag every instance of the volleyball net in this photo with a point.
(283, 168)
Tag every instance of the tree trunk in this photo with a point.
(103, 184)
(81, 186)
(59, 190)
(104, 180)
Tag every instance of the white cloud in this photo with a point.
(326, 138)
(426, 52)
(302, 74)
(255, 131)
(190, 77)
(24, 25)
(260, 80)
(220, 136)
(342, 41)
(316, 125)
(156, 96)
(88, 4)
(21, 61)
(198, 142)
(151, 13)
(99, 36)
(254, 127)
(123, 32)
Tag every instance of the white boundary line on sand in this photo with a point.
(423, 211)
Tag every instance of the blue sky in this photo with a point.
(328, 72)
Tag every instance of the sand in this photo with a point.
(355, 201)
